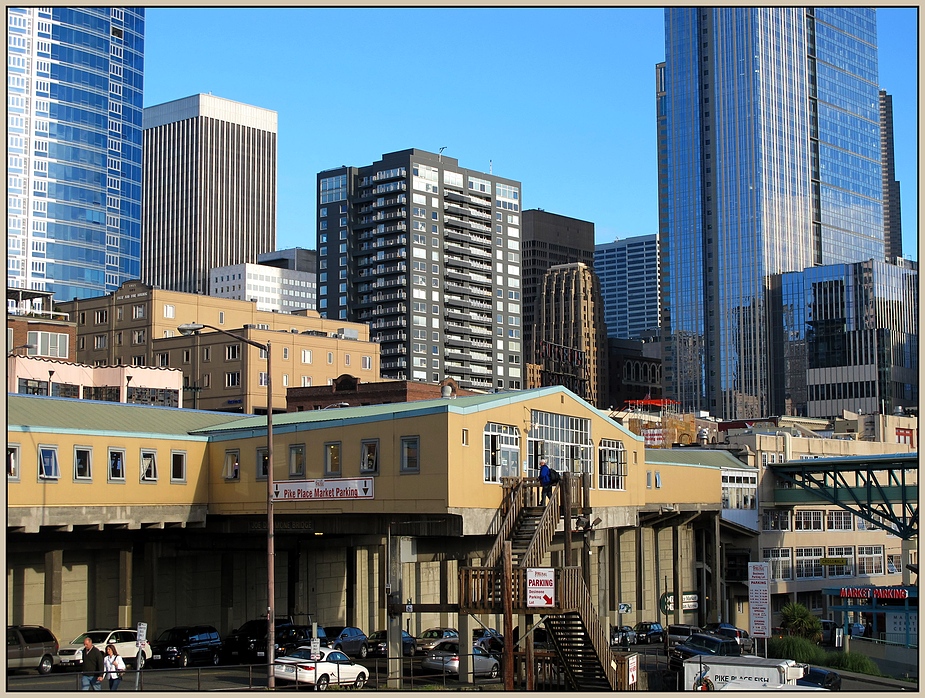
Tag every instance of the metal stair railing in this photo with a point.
(577, 597)
(512, 503)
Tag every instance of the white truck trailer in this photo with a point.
(707, 673)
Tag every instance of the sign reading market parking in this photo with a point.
(336, 488)
(541, 587)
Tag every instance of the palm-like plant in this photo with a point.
(801, 622)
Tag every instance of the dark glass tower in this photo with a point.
(74, 80)
(769, 149)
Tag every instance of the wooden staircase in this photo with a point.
(574, 628)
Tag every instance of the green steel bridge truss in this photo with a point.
(881, 489)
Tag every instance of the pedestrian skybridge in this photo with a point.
(881, 489)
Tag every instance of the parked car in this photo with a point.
(728, 630)
(705, 645)
(680, 632)
(31, 647)
(648, 632)
(822, 678)
(124, 639)
(185, 645)
(488, 639)
(429, 639)
(332, 667)
(445, 657)
(828, 631)
(347, 639)
(249, 642)
(379, 644)
(622, 636)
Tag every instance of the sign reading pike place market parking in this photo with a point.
(335, 488)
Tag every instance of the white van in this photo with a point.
(713, 673)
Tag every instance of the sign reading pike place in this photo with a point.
(334, 488)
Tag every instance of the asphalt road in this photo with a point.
(253, 676)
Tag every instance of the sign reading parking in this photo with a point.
(759, 599)
(337, 488)
(541, 587)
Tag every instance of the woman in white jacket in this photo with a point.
(113, 667)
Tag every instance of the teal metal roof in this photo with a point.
(710, 458)
(314, 419)
(25, 412)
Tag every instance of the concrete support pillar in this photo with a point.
(465, 627)
(226, 595)
(395, 619)
(125, 589)
(373, 582)
(719, 572)
(53, 583)
(445, 570)
(907, 547)
(150, 591)
(383, 567)
(679, 563)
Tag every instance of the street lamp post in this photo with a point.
(194, 327)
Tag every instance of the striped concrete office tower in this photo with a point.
(209, 189)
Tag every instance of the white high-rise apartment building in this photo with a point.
(429, 254)
(209, 189)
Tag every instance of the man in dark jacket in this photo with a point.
(91, 678)
(546, 482)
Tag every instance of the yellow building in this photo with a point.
(160, 514)
(138, 325)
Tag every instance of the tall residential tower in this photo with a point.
(74, 105)
(428, 253)
(210, 189)
(769, 131)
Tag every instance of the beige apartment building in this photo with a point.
(138, 325)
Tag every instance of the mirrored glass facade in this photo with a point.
(768, 135)
(75, 79)
(848, 339)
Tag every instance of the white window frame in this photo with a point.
(845, 551)
(836, 520)
(867, 554)
(808, 520)
(173, 459)
(781, 562)
(89, 474)
(109, 469)
(807, 558)
(771, 519)
(13, 462)
(296, 460)
(369, 456)
(147, 465)
(49, 468)
(231, 468)
(611, 465)
(333, 459)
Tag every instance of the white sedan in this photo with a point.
(329, 667)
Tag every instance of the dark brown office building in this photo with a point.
(549, 239)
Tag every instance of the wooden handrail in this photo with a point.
(545, 530)
(511, 504)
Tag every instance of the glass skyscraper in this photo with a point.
(74, 84)
(628, 271)
(769, 161)
(848, 339)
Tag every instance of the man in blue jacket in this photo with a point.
(546, 482)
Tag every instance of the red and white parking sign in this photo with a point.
(541, 587)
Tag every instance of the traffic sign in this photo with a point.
(142, 635)
(316, 648)
(333, 488)
(689, 602)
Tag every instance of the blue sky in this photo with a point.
(532, 93)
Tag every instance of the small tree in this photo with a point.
(801, 622)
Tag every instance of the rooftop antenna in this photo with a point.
(440, 154)
(489, 167)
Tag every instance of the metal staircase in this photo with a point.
(576, 633)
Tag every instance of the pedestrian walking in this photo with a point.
(113, 667)
(546, 482)
(91, 677)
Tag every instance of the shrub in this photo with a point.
(800, 621)
(796, 648)
(852, 661)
